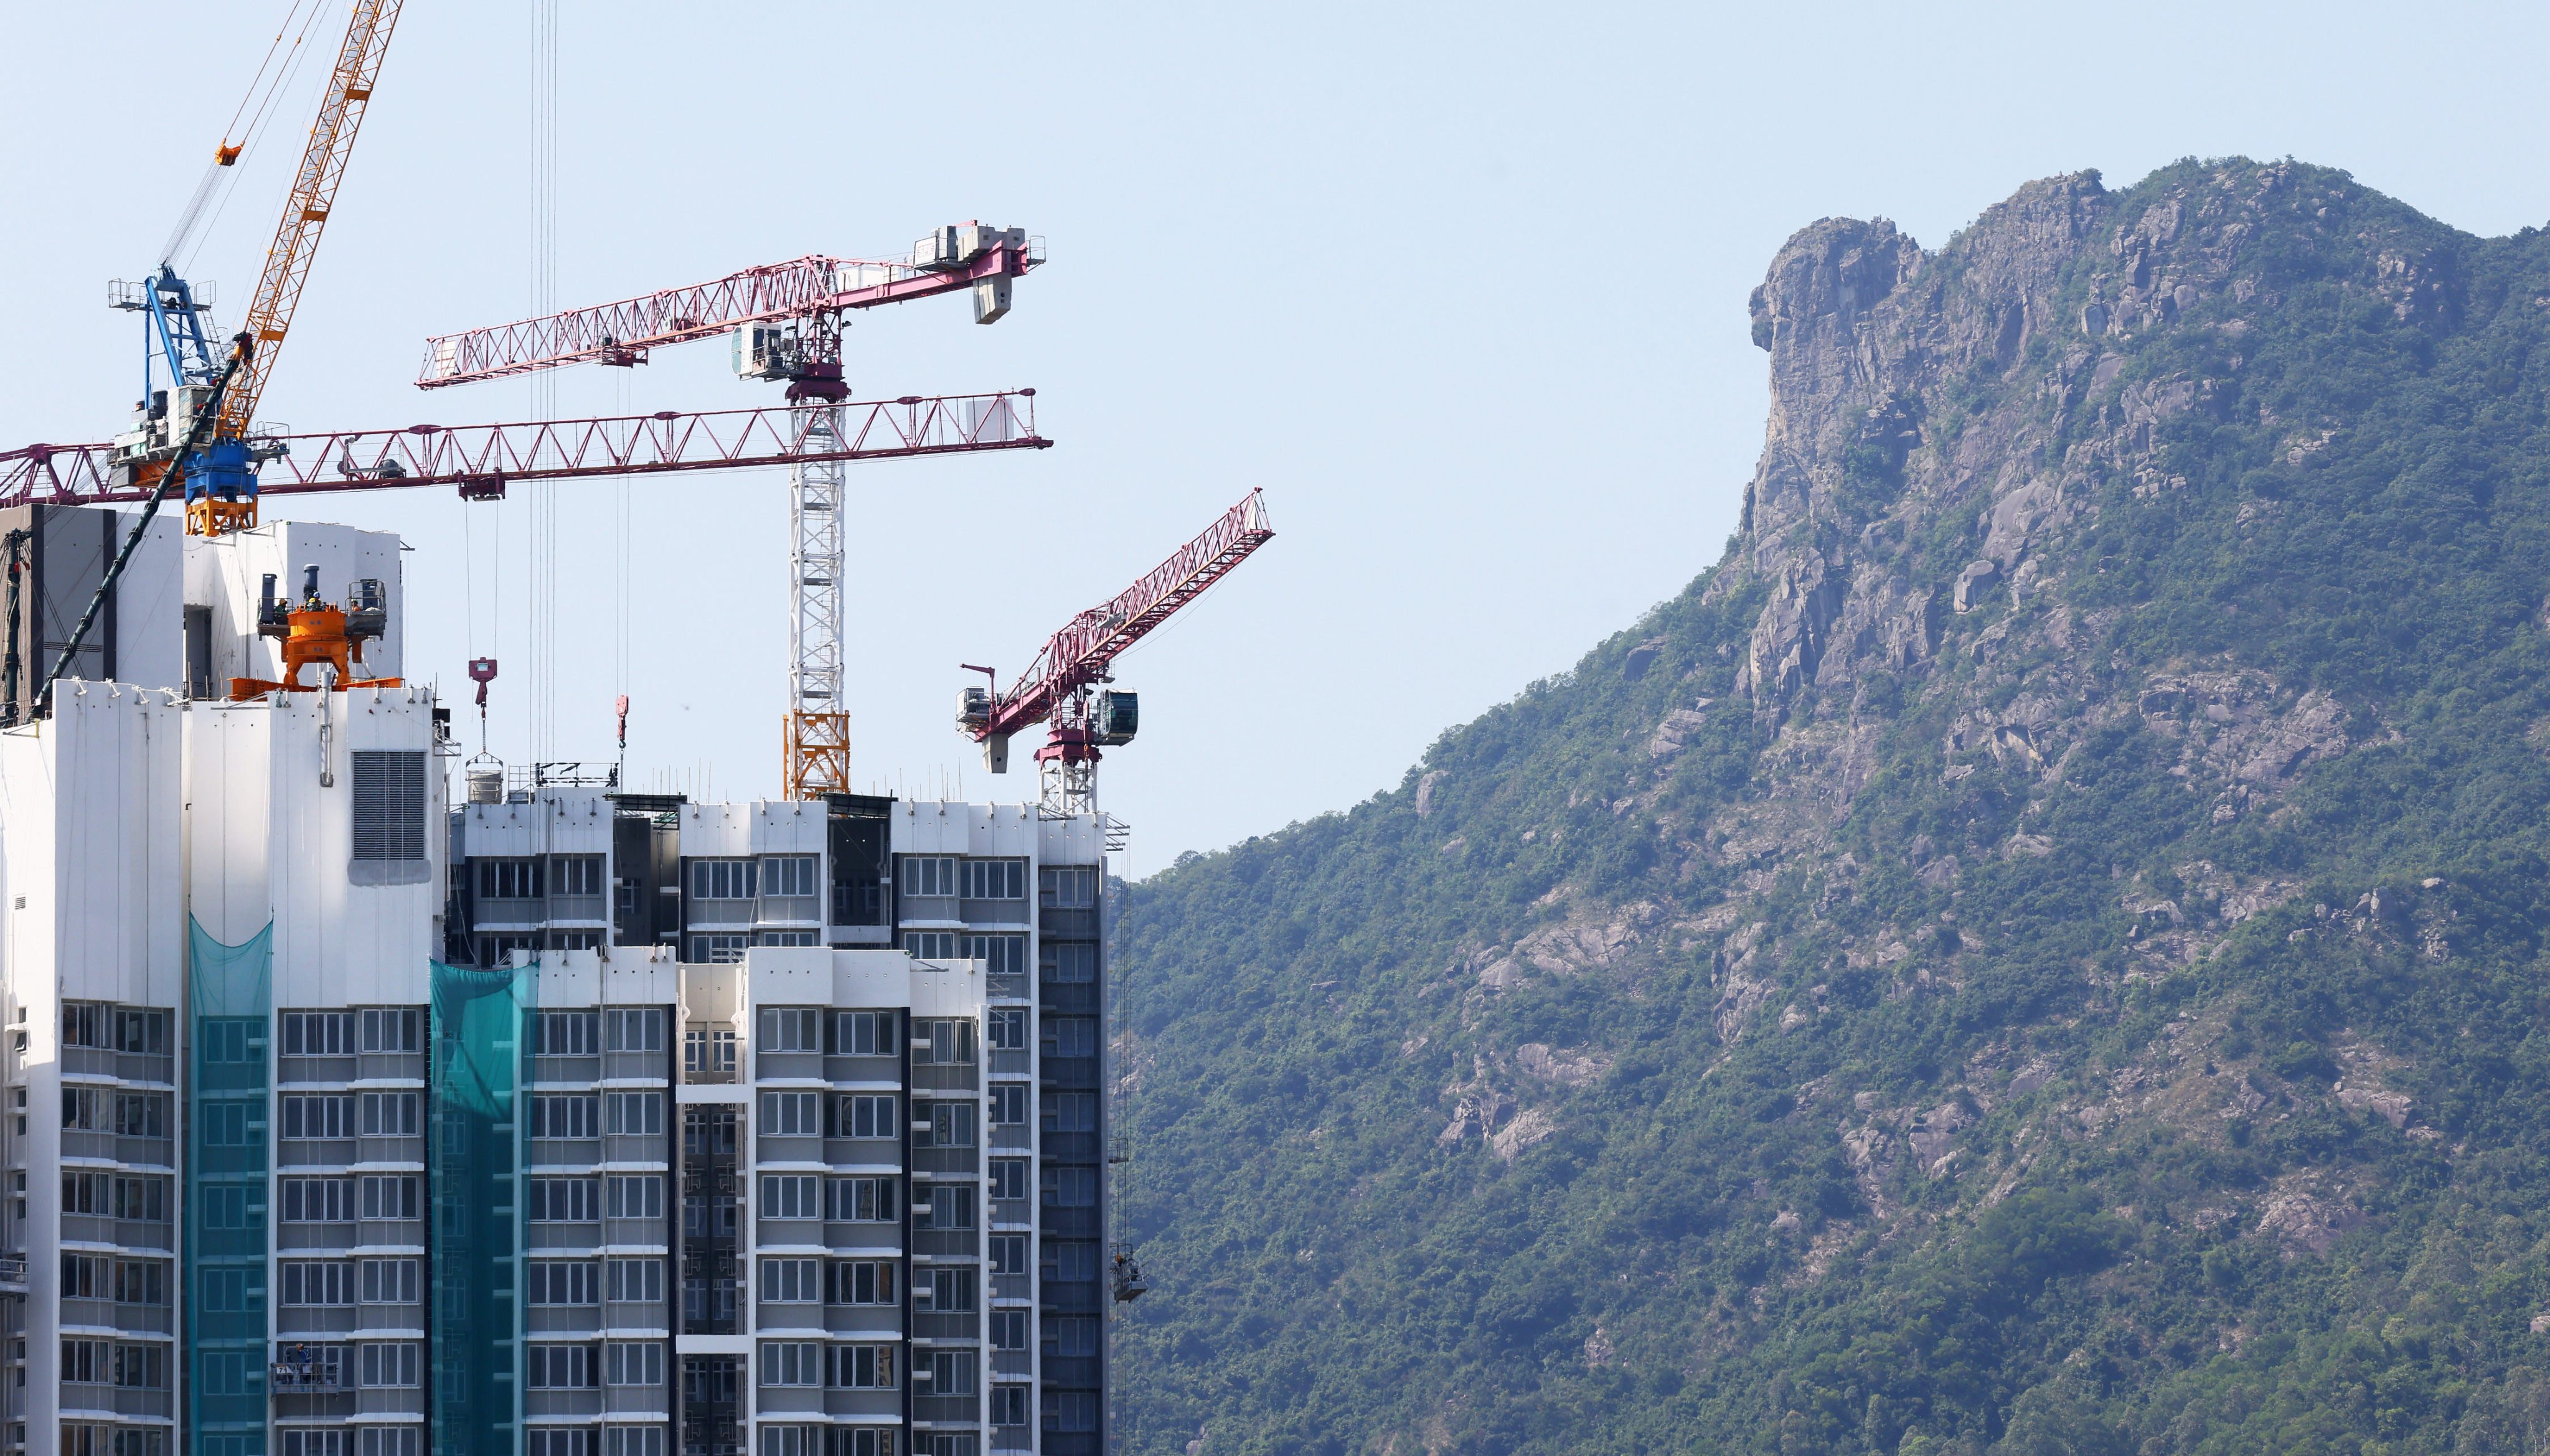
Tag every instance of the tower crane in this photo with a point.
(221, 478)
(786, 322)
(1063, 685)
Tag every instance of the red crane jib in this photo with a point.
(1082, 652)
(621, 333)
(481, 458)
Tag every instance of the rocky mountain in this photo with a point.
(2038, 949)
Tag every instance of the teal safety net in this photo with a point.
(231, 998)
(477, 1248)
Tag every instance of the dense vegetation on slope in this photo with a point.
(2103, 1019)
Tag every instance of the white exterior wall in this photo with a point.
(227, 572)
(272, 842)
(92, 904)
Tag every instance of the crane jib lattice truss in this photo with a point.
(1081, 654)
(621, 333)
(480, 458)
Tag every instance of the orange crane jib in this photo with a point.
(296, 238)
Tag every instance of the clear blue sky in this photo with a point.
(1462, 286)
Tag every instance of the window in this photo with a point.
(562, 1033)
(1063, 887)
(783, 938)
(565, 1199)
(498, 950)
(562, 1282)
(82, 1109)
(791, 1363)
(140, 1282)
(861, 1201)
(298, 1443)
(511, 879)
(318, 1200)
(1009, 1253)
(788, 874)
(560, 1367)
(950, 1206)
(83, 1023)
(865, 1115)
(388, 1363)
(635, 1440)
(1009, 1177)
(1008, 1104)
(566, 1114)
(391, 1195)
(789, 1195)
(1072, 1336)
(722, 879)
(949, 1042)
(943, 1124)
(928, 875)
(1071, 1410)
(145, 1032)
(633, 1362)
(233, 1207)
(633, 1281)
(391, 1282)
(325, 1114)
(635, 1113)
(792, 1029)
(790, 1441)
(224, 1122)
(1001, 955)
(1068, 1035)
(317, 1033)
(1068, 1188)
(792, 1281)
(1070, 962)
(1070, 1112)
(863, 1033)
(233, 1038)
(391, 1115)
(1068, 1261)
(141, 1115)
(558, 1440)
(860, 1282)
(87, 1276)
(634, 1195)
(317, 1282)
(929, 944)
(1010, 1401)
(141, 1367)
(792, 1114)
(994, 879)
(392, 1029)
(718, 950)
(948, 1372)
(389, 806)
(633, 1028)
(944, 1291)
(389, 1440)
(1009, 1329)
(144, 1200)
(578, 874)
(1005, 1028)
(862, 1367)
(708, 1051)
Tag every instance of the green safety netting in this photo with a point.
(477, 1248)
(231, 998)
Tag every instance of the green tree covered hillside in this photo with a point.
(2038, 949)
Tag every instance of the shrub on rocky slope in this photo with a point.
(2039, 949)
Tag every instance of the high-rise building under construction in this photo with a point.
(362, 1106)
